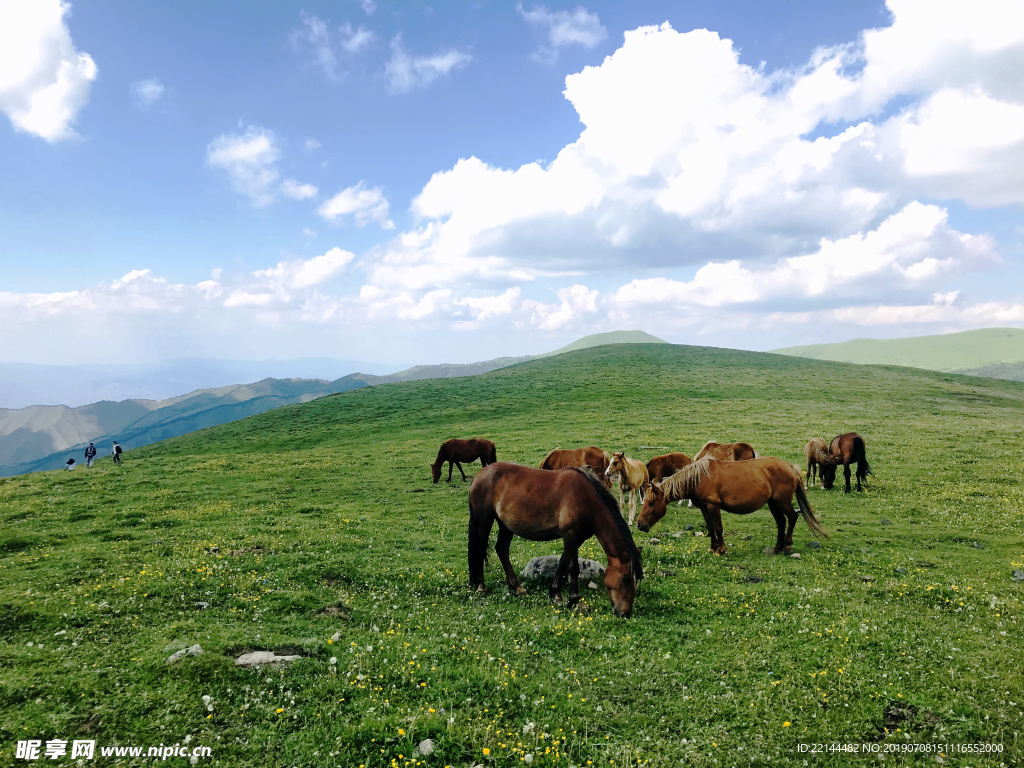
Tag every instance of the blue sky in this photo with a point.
(354, 179)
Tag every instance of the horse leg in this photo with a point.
(846, 474)
(859, 475)
(714, 517)
(501, 547)
(572, 548)
(460, 471)
(481, 531)
(780, 522)
(451, 466)
(632, 505)
(555, 593)
(810, 466)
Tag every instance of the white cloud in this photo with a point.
(146, 93)
(404, 73)
(311, 145)
(364, 204)
(355, 40)
(249, 160)
(297, 191)
(321, 45)
(44, 81)
(368, 6)
(484, 307)
(576, 301)
(304, 273)
(562, 28)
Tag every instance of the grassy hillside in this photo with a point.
(43, 437)
(611, 337)
(1013, 371)
(946, 352)
(318, 520)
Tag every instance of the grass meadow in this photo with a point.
(319, 520)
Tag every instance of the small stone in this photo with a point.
(795, 555)
(814, 545)
(867, 578)
(262, 658)
(201, 605)
(426, 747)
(336, 637)
(677, 535)
(591, 585)
(979, 545)
(768, 551)
(689, 527)
(193, 650)
(655, 541)
(1018, 575)
(544, 567)
(901, 571)
(698, 534)
(748, 537)
(885, 521)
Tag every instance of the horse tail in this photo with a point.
(544, 461)
(860, 451)
(493, 458)
(805, 508)
(477, 553)
(756, 454)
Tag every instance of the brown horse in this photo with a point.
(727, 451)
(570, 504)
(818, 457)
(740, 487)
(846, 449)
(633, 479)
(661, 467)
(455, 451)
(591, 456)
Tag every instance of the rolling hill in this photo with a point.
(314, 530)
(995, 352)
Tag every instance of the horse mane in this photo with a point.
(613, 508)
(545, 459)
(823, 457)
(684, 482)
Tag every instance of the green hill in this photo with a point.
(946, 352)
(611, 337)
(314, 530)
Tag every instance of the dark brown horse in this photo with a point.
(661, 467)
(846, 449)
(568, 504)
(591, 456)
(727, 451)
(455, 451)
(818, 457)
(740, 487)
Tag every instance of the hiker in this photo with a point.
(90, 455)
(116, 453)
(70, 464)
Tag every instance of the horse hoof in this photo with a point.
(480, 590)
(520, 591)
(556, 598)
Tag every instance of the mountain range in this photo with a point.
(42, 437)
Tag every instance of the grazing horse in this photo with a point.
(661, 467)
(818, 457)
(633, 479)
(455, 451)
(846, 449)
(570, 504)
(591, 456)
(727, 451)
(740, 487)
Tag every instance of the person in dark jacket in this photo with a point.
(70, 464)
(116, 453)
(90, 455)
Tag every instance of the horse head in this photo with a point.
(620, 581)
(435, 471)
(616, 466)
(654, 508)
(827, 472)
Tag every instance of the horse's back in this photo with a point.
(727, 451)
(667, 464)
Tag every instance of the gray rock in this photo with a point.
(655, 541)
(260, 658)
(795, 555)
(544, 567)
(768, 551)
(591, 585)
(814, 545)
(901, 571)
(689, 527)
(202, 605)
(698, 534)
(885, 521)
(867, 578)
(336, 637)
(426, 747)
(748, 537)
(979, 545)
(677, 535)
(192, 650)
(1018, 575)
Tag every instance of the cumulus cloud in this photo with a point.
(321, 45)
(575, 301)
(44, 81)
(562, 28)
(146, 93)
(404, 72)
(311, 145)
(296, 190)
(365, 205)
(368, 6)
(249, 160)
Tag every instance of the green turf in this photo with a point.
(732, 660)
(945, 352)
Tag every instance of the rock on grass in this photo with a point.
(544, 567)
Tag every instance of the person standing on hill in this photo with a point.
(90, 455)
(116, 453)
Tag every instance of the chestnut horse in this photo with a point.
(727, 451)
(571, 504)
(818, 457)
(846, 449)
(633, 479)
(455, 451)
(661, 467)
(740, 487)
(591, 456)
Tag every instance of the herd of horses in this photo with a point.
(569, 498)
